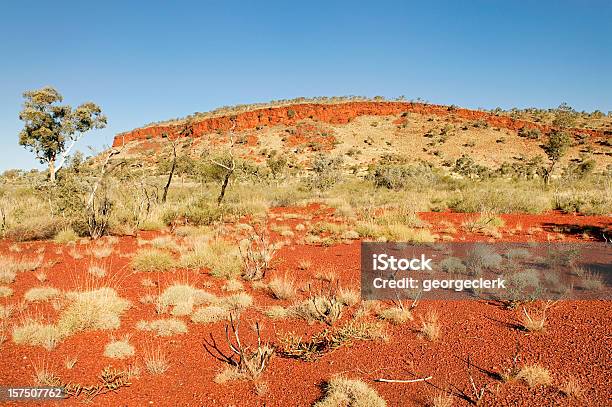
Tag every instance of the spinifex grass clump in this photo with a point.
(81, 311)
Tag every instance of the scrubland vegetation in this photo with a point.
(198, 242)
(33, 209)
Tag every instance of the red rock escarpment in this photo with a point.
(336, 113)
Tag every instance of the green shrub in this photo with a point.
(402, 176)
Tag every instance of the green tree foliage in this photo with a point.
(50, 126)
(555, 148)
(277, 164)
(565, 116)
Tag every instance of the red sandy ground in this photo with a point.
(577, 342)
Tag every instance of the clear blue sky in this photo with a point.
(149, 61)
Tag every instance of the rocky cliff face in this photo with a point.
(336, 113)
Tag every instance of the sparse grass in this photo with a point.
(6, 311)
(368, 307)
(276, 312)
(147, 282)
(210, 314)
(35, 333)
(223, 260)
(96, 270)
(182, 298)
(236, 301)
(442, 400)
(592, 281)
(70, 362)
(282, 288)
(395, 315)
(321, 308)
(5, 291)
(233, 285)
(165, 242)
(228, 374)
(430, 326)
(341, 391)
(66, 235)
(75, 253)
(156, 361)
(43, 374)
(163, 327)
(119, 348)
(327, 276)
(93, 309)
(572, 388)
(101, 252)
(534, 375)
(149, 260)
(7, 276)
(487, 223)
(304, 264)
(10, 266)
(348, 297)
(41, 276)
(41, 293)
(534, 321)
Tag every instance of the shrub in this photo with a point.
(453, 265)
(402, 176)
(36, 228)
(466, 166)
(325, 172)
(587, 203)
(530, 133)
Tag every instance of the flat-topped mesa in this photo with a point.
(334, 113)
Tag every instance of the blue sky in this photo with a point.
(150, 61)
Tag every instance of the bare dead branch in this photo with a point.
(423, 379)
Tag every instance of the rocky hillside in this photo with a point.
(364, 131)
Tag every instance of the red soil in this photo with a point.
(338, 113)
(577, 342)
